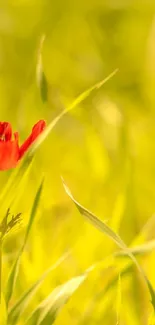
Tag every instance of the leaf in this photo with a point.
(100, 225)
(3, 312)
(77, 101)
(43, 87)
(14, 272)
(40, 76)
(48, 309)
(19, 307)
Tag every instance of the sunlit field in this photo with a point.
(77, 199)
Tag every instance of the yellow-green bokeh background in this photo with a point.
(104, 148)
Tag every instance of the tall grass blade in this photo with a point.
(40, 76)
(14, 272)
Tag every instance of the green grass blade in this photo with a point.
(33, 213)
(100, 225)
(40, 76)
(19, 307)
(14, 272)
(48, 309)
(77, 101)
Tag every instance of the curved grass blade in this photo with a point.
(100, 225)
(19, 307)
(48, 309)
(77, 101)
(14, 272)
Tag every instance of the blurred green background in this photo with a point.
(104, 148)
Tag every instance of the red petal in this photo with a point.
(6, 131)
(9, 154)
(37, 129)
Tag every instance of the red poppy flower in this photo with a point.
(10, 151)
